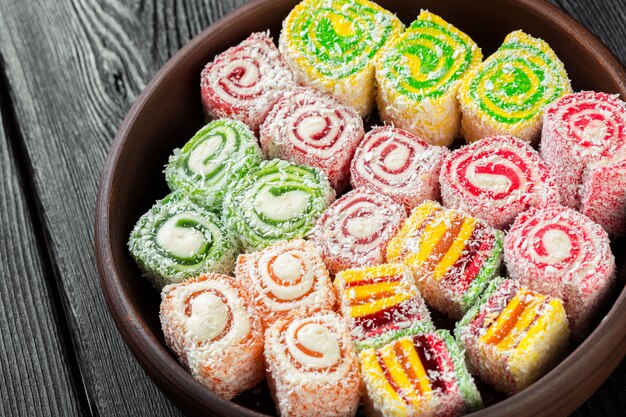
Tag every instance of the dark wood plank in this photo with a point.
(35, 372)
(606, 19)
(75, 67)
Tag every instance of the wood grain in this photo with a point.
(35, 375)
(606, 19)
(74, 68)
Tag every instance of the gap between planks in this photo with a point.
(25, 177)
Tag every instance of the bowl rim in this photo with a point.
(606, 344)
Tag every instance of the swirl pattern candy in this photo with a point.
(396, 163)
(178, 239)
(583, 143)
(312, 128)
(276, 201)
(218, 155)
(284, 277)
(355, 229)
(210, 324)
(578, 129)
(560, 252)
(419, 375)
(331, 46)
(244, 81)
(495, 179)
(381, 303)
(506, 94)
(513, 336)
(313, 369)
(453, 256)
(418, 77)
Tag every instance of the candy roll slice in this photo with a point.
(276, 201)
(506, 94)
(244, 81)
(211, 326)
(284, 277)
(398, 164)
(557, 251)
(355, 229)
(583, 143)
(513, 336)
(418, 78)
(578, 129)
(218, 155)
(495, 179)
(312, 128)
(453, 256)
(381, 303)
(313, 369)
(331, 46)
(178, 239)
(418, 375)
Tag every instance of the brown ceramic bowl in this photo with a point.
(169, 111)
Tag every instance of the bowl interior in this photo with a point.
(169, 113)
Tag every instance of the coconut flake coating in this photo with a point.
(276, 201)
(313, 369)
(355, 229)
(603, 195)
(453, 256)
(583, 143)
(217, 156)
(381, 303)
(211, 326)
(398, 164)
(177, 239)
(421, 374)
(507, 93)
(331, 45)
(557, 251)
(513, 336)
(284, 277)
(578, 129)
(245, 81)
(309, 127)
(495, 179)
(418, 76)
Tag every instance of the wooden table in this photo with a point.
(69, 71)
